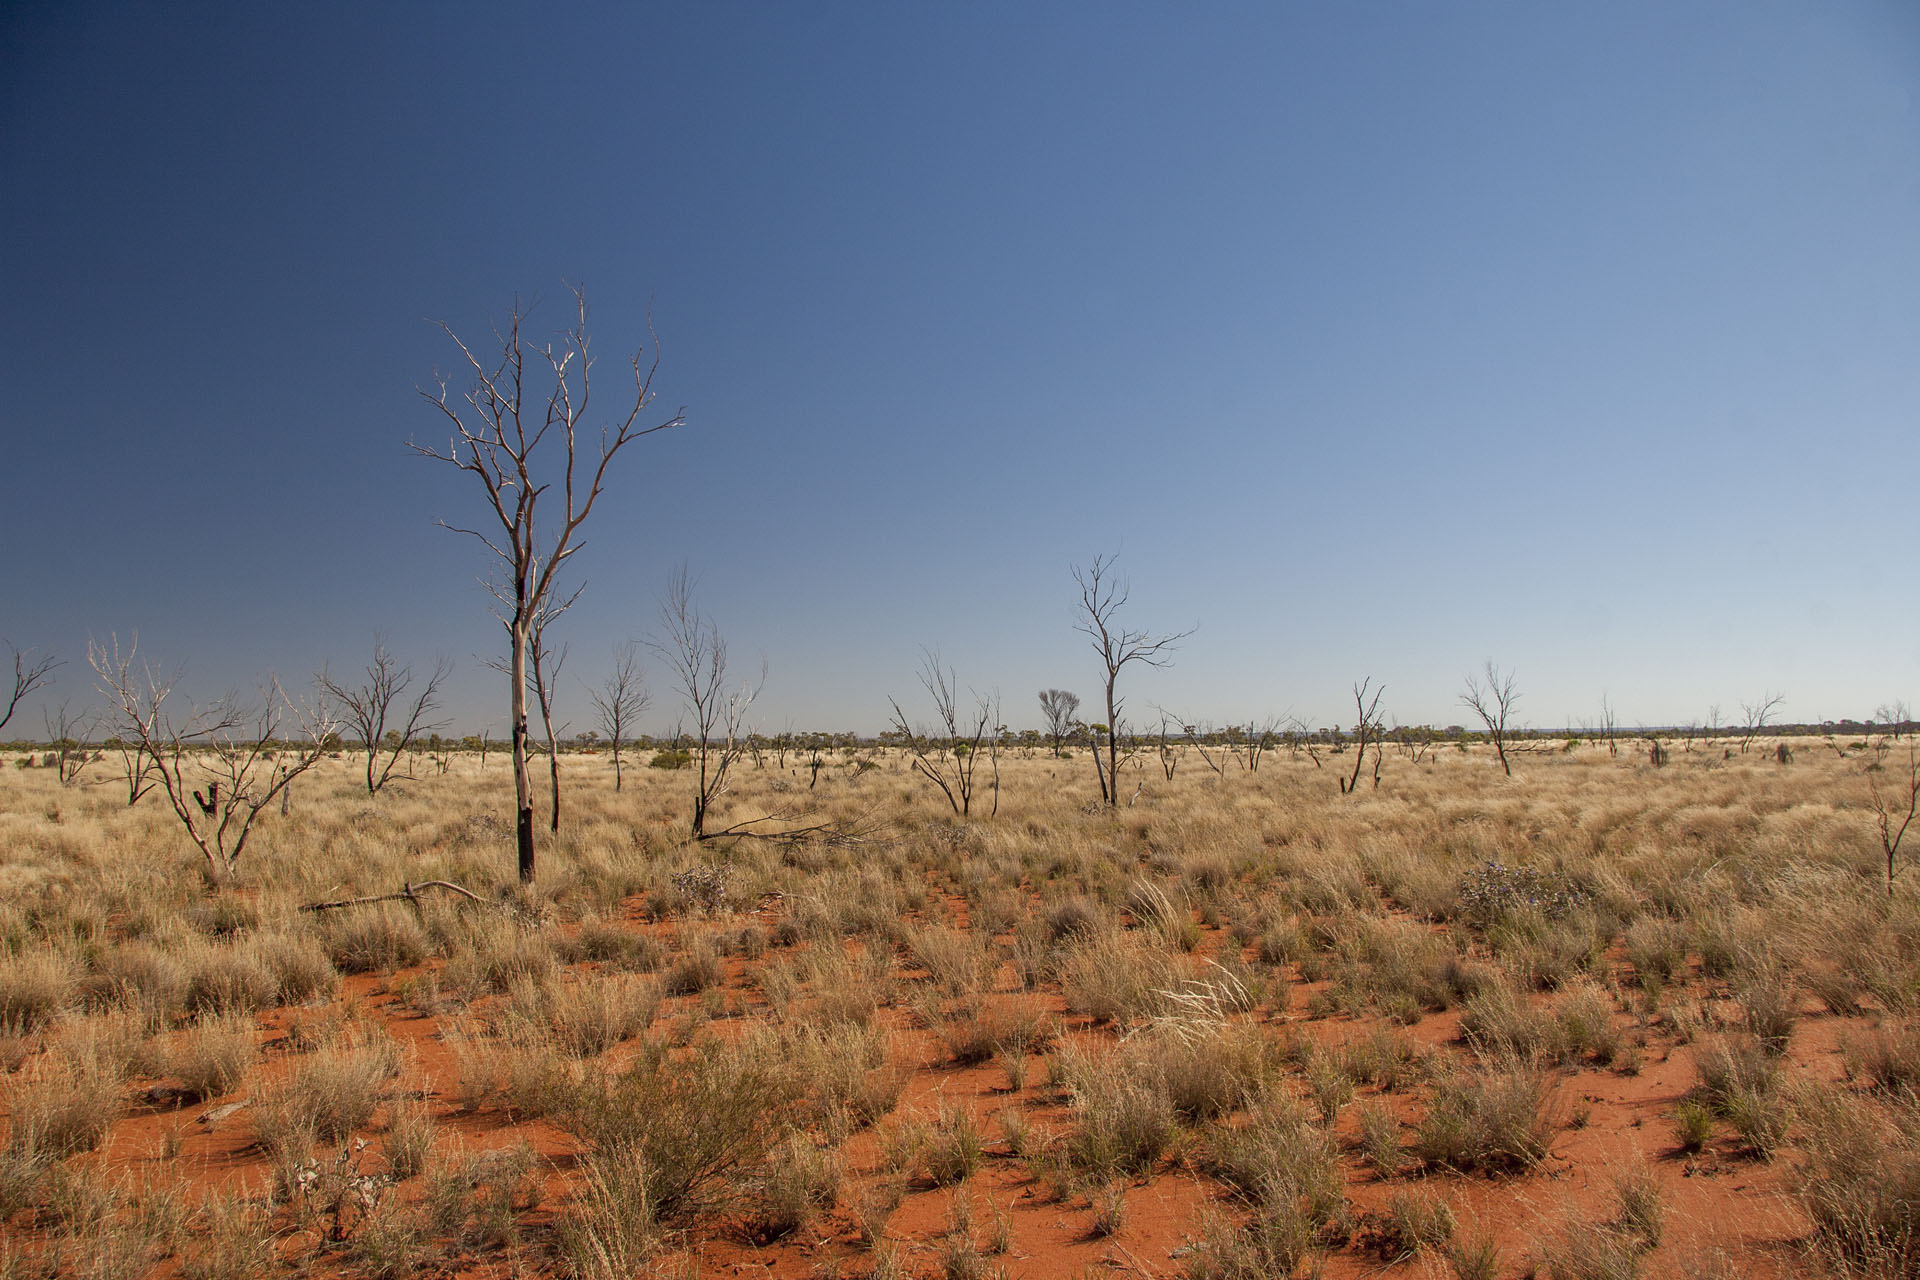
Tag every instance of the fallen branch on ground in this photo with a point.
(407, 891)
(833, 833)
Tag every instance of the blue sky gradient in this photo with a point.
(1376, 339)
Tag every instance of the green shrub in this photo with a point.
(1494, 890)
(1693, 1126)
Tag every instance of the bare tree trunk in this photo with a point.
(522, 779)
(1111, 793)
(546, 678)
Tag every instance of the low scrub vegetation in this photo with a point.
(1378, 1026)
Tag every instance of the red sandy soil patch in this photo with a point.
(1726, 1211)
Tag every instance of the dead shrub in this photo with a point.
(1112, 978)
(1410, 1224)
(1280, 1157)
(1887, 1058)
(586, 1018)
(956, 962)
(490, 960)
(301, 968)
(695, 970)
(228, 978)
(141, 977)
(615, 946)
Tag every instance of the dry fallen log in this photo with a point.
(409, 892)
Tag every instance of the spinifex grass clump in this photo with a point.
(1495, 889)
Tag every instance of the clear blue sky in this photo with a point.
(1376, 339)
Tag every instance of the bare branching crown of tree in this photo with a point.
(1493, 702)
(691, 645)
(1103, 594)
(68, 735)
(29, 673)
(1368, 729)
(220, 763)
(518, 441)
(621, 700)
(379, 711)
(949, 756)
(1755, 715)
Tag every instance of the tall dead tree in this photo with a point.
(29, 673)
(1755, 715)
(1493, 703)
(1895, 812)
(949, 757)
(380, 712)
(692, 647)
(1368, 729)
(1102, 596)
(67, 736)
(518, 442)
(622, 699)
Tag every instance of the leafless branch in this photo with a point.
(1367, 730)
(29, 673)
(949, 756)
